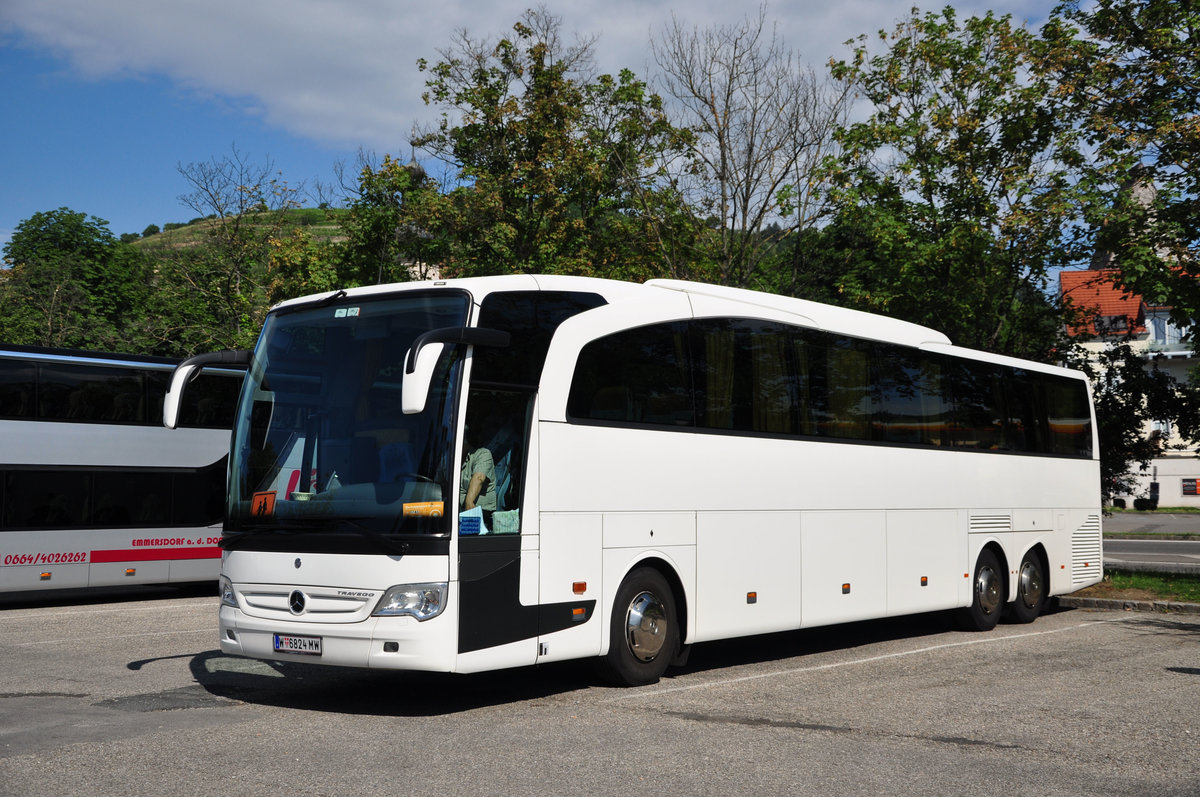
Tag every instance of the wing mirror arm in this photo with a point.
(425, 351)
(188, 370)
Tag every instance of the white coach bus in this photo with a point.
(484, 473)
(93, 490)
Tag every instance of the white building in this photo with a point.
(1174, 476)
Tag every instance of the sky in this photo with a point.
(104, 102)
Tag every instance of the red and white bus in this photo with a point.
(93, 490)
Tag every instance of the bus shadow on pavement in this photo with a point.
(792, 645)
(341, 690)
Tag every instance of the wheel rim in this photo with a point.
(646, 626)
(1031, 584)
(987, 589)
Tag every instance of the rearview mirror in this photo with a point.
(188, 370)
(423, 357)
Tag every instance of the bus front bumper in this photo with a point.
(396, 643)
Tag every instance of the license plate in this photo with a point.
(290, 643)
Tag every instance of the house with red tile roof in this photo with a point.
(1110, 314)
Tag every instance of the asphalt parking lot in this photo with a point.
(131, 696)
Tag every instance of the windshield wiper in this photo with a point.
(230, 539)
(389, 546)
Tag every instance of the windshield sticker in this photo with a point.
(263, 504)
(424, 509)
(346, 312)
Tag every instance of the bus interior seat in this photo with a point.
(502, 461)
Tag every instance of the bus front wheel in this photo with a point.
(644, 634)
(987, 594)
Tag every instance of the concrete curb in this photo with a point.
(1108, 604)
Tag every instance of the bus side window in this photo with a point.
(910, 408)
(840, 400)
(1069, 420)
(638, 376)
(978, 414)
(18, 386)
(744, 379)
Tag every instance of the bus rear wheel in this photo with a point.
(987, 595)
(1031, 589)
(644, 633)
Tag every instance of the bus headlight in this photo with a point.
(421, 601)
(225, 590)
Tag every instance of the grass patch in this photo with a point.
(1127, 585)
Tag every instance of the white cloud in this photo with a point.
(344, 73)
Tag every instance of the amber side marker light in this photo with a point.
(924, 581)
(579, 587)
(578, 614)
(131, 571)
(45, 576)
(845, 589)
(751, 597)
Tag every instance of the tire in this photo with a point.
(644, 632)
(987, 595)
(1031, 589)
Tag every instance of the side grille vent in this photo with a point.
(1085, 552)
(992, 523)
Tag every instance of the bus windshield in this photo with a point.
(321, 445)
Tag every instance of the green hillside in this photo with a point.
(323, 224)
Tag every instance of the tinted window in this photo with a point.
(744, 379)
(107, 394)
(210, 401)
(768, 378)
(125, 499)
(909, 404)
(531, 318)
(46, 499)
(839, 395)
(978, 414)
(1069, 417)
(112, 498)
(18, 389)
(636, 376)
(1026, 427)
(79, 393)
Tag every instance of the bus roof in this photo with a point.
(823, 316)
(856, 323)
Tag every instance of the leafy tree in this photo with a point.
(298, 265)
(760, 123)
(952, 197)
(215, 296)
(392, 228)
(1131, 69)
(553, 173)
(71, 283)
